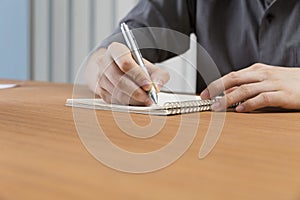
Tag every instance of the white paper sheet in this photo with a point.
(7, 86)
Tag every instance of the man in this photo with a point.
(254, 43)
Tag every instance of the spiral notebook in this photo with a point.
(169, 104)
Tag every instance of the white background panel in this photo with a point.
(66, 30)
(41, 34)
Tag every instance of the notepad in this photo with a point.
(169, 104)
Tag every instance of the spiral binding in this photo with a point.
(174, 108)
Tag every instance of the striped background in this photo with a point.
(64, 31)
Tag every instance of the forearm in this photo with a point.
(159, 44)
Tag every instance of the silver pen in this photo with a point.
(132, 45)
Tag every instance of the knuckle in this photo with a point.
(137, 75)
(101, 94)
(261, 77)
(125, 64)
(101, 80)
(266, 100)
(268, 73)
(245, 90)
(117, 94)
(122, 82)
(104, 82)
(104, 95)
(97, 90)
(256, 66)
(114, 76)
(126, 86)
(229, 100)
(139, 95)
(121, 97)
(106, 85)
(233, 75)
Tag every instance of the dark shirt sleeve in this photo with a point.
(148, 16)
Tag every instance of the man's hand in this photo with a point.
(257, 87)
(114, 75)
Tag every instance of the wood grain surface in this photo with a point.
(42, 157)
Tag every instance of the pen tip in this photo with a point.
(155, 100)
(153, 95)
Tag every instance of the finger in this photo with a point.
(126, 86)
(158, 76)
(120, 98)
(121, 82)
(242, 93)
(137, 75)
(105, 95)
(106, 84)
(97, 64)
(230, 80)
(124, 99)
(124, 60)
(230, 90)
(97, 90)
(105, 62)
(266, 99)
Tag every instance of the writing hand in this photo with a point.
(114, 75)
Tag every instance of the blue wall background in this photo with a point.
(14, 39)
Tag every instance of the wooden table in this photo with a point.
(42, 157)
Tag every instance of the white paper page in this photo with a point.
(7, 86)
(166, 97)
(162, 99)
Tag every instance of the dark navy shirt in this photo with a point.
(235, 33)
